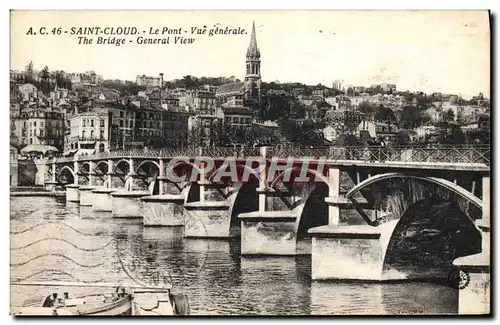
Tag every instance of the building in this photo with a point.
(175, 127)
(17, 77)
(321, 92)
(484, 122)
(237, 117)
(101, 126)
(28, 92)
(89, 132)
(201, 106)
(388, 88)
(210, 88)
(237, 126)
(377, 129)
(425, 132)
(40, 127)
(250, 88)
(347, 119)
(146, 124)
(87, 78)
(149, 82)
(337, 85)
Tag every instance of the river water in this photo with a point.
(53, 241)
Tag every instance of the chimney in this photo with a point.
(161, 80)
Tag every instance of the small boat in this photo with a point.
(122, 302)
(107, 304)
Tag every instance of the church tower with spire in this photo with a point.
(253, 80)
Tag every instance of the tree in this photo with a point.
(194, 137)
(412, 117)
(190, 82)
(453, 135)
(385, 114)
(449, 116)
(45, 80)
(61, 80)
(128, 88)
(402, 138)
(30, 73)
(367, 108)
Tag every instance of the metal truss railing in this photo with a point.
(403, 154)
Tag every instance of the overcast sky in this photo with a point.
(446, 51)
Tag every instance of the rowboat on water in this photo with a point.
(130, 301)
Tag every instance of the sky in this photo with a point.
(430, 51)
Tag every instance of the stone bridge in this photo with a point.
(363, 213)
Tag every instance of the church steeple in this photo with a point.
(253, 49)
(252, 76)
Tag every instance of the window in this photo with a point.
(102, 123)
(31, 140)
(34, 123)
(121, 114)
(102, 135)
(92, 122)
(121, 123)
(83, 134)
(41, 133)
(83, 123)
(91, 134)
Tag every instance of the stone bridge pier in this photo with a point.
(102, 199)
(209, 206)
(165, 207)
(288, 208)
(126, 202)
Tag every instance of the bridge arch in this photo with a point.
(85, 163)
(121, 162)
(147, 162)
(312, 211)
(430, 234)
(438, 181)
(419, 214)
(65, 170)
(317, 176)
(97, 167)
(245, 199)
(183, 164)
(240, 169)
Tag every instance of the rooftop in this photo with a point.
(232, 87)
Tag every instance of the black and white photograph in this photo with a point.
(250, 163)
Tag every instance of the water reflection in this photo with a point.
(283, 288)
(330, 298)
(217, 280)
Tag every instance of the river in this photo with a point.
(89, 246)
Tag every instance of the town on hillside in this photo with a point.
(65, 113)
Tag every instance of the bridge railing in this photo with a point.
(406, 154)
(409, 154)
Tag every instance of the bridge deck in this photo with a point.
(458, 158)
